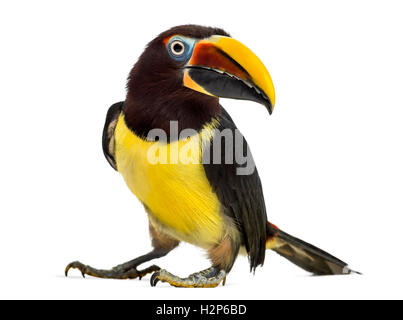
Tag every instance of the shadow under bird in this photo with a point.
(180, 77)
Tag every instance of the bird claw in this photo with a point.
(196, 280)
(115, 273)
(154, 278)
(76, 265)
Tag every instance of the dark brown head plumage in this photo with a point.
(155, 93)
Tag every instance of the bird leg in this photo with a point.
(222, 257)
(208, 278)
(162, 244)
(126, 270)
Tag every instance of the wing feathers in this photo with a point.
(108, 136)
(240, 195)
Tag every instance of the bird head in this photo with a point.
(197, 64)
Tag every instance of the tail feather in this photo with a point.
(305, 255)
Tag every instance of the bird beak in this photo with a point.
(224, 67)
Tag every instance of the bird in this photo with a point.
(181, 154)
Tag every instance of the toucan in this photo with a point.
(182, 156)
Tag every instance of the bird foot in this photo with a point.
(115, 273)
(208, 278)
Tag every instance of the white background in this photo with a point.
(330, 157)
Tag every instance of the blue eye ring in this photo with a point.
(180, 48)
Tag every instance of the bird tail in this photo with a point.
(303, 254)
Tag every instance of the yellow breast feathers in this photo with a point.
(170, 180)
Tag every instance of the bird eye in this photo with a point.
(177, 47)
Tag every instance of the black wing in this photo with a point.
(240, 195)
(108, 135)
